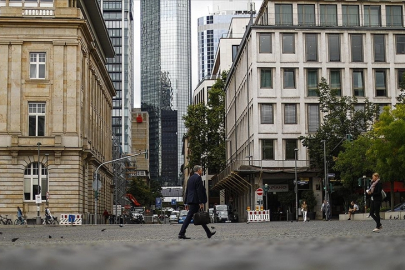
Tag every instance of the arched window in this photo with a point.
(31, 175)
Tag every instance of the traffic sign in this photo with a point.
(330, 175)
(259, 192)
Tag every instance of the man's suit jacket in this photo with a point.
(195, 193)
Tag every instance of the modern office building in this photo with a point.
(165, 83)
(118, 17)
(271, 99)
(55, 108)
(213, 27)
(139, 166)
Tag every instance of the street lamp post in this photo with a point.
(296, 184)
(96, 180)
(326, 172)
(47, 173)
(266, 189)
(364, 185)
(38, 220)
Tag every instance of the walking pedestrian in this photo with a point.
(304, 209)
(325, 208)
(375, 201)
(195, 199)
(105, 214)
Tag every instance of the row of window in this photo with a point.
(268, 151)
(311, 51)
(289, 76)
(331, 14)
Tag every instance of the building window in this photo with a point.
(37, 65)
(372, 16)
(288, 43)
(264, 43)
(289, 78)
(284, 14)
(235, 49)
(400, 44)
(290, 113)
(266, 114)
(357, 48)
(306, 15)
(36, 119)
(31, 187)
(312, 82)
(334, 47)
(311, 47)
(350, 15)
(267, 149)
(400, 74)
(290, 146)
(380, 84)
(313, 117)
(379, 48)
(335, 83)
(328, 15)
(358, 83)
(265, 78)
(394, 15)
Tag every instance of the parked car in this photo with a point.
(182, 216)
(399, 207)
(211, 212)
(174, 217)
(222, 213)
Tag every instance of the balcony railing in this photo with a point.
(38, 12)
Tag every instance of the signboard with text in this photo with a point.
(278, 188)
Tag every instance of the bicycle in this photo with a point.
(6, 220)
(20, 222)
(50, 221)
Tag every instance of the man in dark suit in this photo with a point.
(195, 198)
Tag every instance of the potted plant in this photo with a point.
(287, 199)
(309, 197)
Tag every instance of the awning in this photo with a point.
(234, 182)
(398, 186)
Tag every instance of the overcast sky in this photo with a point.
(199, 8)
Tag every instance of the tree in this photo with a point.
(196, 124)
(216, 126)
(143, 193)
(205, 129)
(388, 147)
(342, 117)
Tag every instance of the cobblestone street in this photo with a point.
(274, 245)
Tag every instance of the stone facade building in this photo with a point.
(55, 107)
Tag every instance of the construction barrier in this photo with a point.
(258, 216)
(70, 219)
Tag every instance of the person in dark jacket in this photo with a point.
(375, 201)
(195, 199)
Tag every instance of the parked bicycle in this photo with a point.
(6, 220)
(20, 222)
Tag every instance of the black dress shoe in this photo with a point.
(211, 234)
(183, 237)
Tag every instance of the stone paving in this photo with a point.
(272, 245)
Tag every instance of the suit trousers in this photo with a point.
(192, 209)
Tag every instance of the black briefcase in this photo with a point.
(201, 218)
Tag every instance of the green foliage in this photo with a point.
(401, 97)
(309, 197)
(206, 129)
(353, 162)
(340, 118)
(287, 199)
(388, 148)
(143, 193)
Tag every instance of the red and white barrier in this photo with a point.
(258, 216)
(70, 219)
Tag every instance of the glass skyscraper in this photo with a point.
(118, 16)
(165, 83)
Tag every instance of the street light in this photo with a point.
(326, 173)
(95, 180)
(38, 220)
(296, 185)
